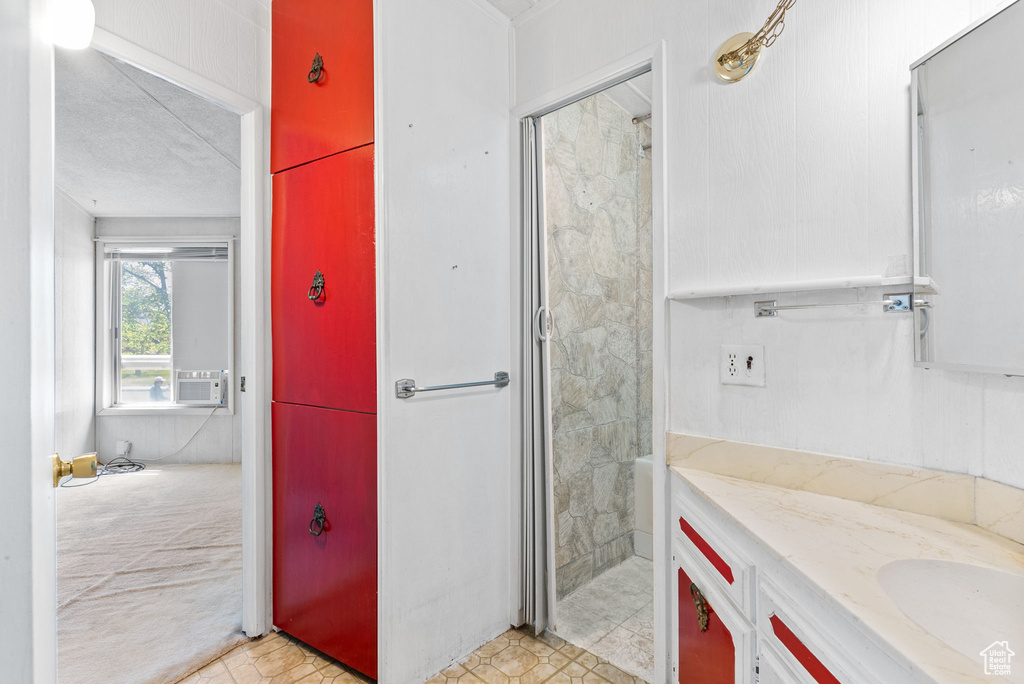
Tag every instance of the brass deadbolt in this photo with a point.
(81, 466)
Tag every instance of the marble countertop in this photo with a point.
(839, 545)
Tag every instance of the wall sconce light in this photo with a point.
(72, 23)
(738, 56)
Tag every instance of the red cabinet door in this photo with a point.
(325, 348)
(325, 586)
(706, 656)
(334, 113)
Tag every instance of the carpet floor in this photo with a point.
(149, 574)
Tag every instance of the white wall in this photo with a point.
(824, 192)
(443, 241)
(154, 436)
(561, 41)
(75, 287)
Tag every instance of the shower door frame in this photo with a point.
(534, 603)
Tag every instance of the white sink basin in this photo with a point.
(965, 606)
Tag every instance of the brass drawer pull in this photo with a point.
(318, 66)
(318, 521)
(702, 606)
(316, 290)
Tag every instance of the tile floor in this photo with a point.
(515, 657)
(275, 659)
(605, 636)
(613, 617)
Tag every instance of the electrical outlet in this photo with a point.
(742, 364)
(124, 447)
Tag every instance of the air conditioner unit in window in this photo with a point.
(205, 388)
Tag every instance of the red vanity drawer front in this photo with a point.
(325, 350)
(325, 587)
(309, 121)
(803, 655)
(723, 568)
(705, 656)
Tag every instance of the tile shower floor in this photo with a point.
(613, 617)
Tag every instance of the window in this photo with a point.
(168, 317)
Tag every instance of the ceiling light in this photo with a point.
(72, 23)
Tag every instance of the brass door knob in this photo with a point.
(81, 466)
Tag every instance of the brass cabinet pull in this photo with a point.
(316, 290)
(318, 66)
(318, 521)
(702, 606)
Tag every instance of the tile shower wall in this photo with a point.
(597, 188)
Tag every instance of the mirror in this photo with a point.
(969, 199)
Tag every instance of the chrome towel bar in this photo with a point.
(891, 304)
(407, 388)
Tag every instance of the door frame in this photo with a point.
(254, 408)
(650, 58)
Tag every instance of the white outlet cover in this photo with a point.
(742, 364)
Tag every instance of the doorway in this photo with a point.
(594, 265)
(156, 234)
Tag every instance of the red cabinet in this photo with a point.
(315, 114)
(323, 300)
(707, 653)
(325, 585)
(325, 340)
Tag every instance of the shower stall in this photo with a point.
(597, 236)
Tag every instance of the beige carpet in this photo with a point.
(149, 571)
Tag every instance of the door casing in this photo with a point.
(650, 58)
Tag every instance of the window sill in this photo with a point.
(165, 411)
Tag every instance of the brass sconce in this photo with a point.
(738, 56)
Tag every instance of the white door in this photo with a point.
(27, 535)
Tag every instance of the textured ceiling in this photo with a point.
(513, 8)
(131, 144)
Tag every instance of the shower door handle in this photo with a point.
(540, 324)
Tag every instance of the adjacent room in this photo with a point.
(146, 226)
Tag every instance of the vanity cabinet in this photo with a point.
(714, 641)
(716, 638)
(316, 112)
(761, 624)
(323, 309)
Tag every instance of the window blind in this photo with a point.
(166, 252)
